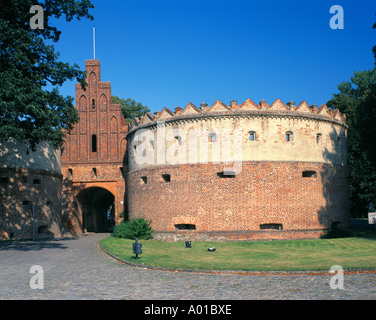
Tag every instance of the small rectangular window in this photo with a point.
(4, 180)
(309, 174)
(185, 226)
(42, 229)
(94, 143)
(252, 135)
(95, 171)
(212, 137)
(37, 181)
(166, 177)
(271, 226)
(288, 136)
(144, 180)
(70, 173)
(226, 174)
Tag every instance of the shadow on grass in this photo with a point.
(364, 233)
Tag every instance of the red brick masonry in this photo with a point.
(267, 200)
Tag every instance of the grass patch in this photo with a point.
(284, 255)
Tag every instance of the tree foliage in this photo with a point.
(357, 99)
(136, 228)
(374, 48)
(130, 108)
(31, 107)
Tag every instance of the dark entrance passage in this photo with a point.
(97, 207)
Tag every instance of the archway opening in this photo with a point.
(98, 210)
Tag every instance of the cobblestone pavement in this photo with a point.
(77, 269)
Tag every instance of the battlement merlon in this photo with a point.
(248, 107)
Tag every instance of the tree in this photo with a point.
(130, 108)
(31, 108)
(374, 48)
(357, 99)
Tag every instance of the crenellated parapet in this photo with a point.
(248, 107)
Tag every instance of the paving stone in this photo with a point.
(76, 269)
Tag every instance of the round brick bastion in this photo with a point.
(239, 172)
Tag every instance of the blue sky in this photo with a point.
(172, 52)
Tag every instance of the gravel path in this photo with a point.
(77, 269)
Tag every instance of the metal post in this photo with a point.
(33, 208)
(94, 41)
(136, 248)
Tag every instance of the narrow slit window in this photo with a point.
(166, 177)
(70, 172)
(309, 174)
(226, 174)
(185, 226)
(94, 143)
(93, 103)
(318, 138)
(288, 136)
(271, 226)
(178, 140)
(94, 171)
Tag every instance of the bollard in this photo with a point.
(137, 248)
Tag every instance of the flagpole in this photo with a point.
(94, 41)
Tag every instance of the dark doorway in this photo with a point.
(97, 207)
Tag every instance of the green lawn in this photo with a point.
(350, 253)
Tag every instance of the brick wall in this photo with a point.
(19, 190)
(93, 153)
(269, 194)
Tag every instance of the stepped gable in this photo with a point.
(248, 105)
(218, 106)
(190, 109)
(304, 107)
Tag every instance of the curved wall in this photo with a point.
(30, 178)
(265, 174)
